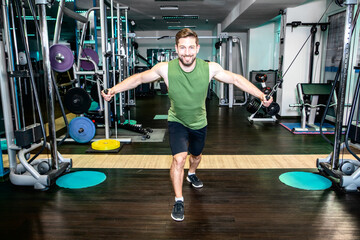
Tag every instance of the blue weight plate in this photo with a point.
(82, 129)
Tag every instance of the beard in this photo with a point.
(187, 64)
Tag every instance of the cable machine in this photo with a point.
(227, 95)
(21, 140)
(344, 172)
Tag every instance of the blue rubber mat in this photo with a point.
(305, 180)
(81, 179)
(291, 126)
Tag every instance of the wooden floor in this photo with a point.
(136, 204)
(208, 161)
(242, 196)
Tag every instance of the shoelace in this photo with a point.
(179, 206)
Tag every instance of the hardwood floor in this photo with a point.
(229, 133)
(136, 204)
(242, 196)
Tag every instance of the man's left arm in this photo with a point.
(219, 74)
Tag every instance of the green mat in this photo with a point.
(305, 180)
(161, 117)
(81, 179)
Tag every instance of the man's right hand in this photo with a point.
(107, 94)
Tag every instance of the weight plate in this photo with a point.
(82, 129)
(105, 144)
(77, 100)
(253, 105)
(61, 58)
(261, 77)
(273, 109)
(90, 54)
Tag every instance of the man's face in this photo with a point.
(187, 50)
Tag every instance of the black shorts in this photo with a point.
(184, 139)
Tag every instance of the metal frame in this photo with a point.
(333, 165)
(309, 120)
(26, 173)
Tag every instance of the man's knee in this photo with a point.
(180, 159)
(196, 158)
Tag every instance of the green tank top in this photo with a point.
(187, 92)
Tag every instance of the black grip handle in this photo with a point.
(267, 97)
(106, 91)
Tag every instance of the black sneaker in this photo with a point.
(195, 182)
(178, 211)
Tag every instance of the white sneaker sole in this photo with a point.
(177, 219)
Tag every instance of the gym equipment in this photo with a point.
(345, 173)
(255, 104)
(261, 77)
(230, 96)
(267, 114)
(82, 129)
(39, 173)
(89, 59)
(77, 100)
(61, 58)
(273, 109)
(94, 93)
(22, 58)
(312, 100)
(105, 144)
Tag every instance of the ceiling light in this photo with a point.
(174, 17)
(179, 27)
(169, 7)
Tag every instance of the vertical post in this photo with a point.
(313, 31)
(11, 66)
(113, 62)
(58, 24)
(48, 82)
(119, 47)
(16, 52)
(103, 27)
(221, 94)
(342, 86)
(5, 97)
(230, 68)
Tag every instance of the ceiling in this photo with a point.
(234, 15)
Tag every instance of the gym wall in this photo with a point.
(169, 43)
(294, 39)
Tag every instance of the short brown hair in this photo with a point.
(186, 32)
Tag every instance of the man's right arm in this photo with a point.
(151, 75)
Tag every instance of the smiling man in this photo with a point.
(187, 79)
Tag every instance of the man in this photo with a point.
(187, 79)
